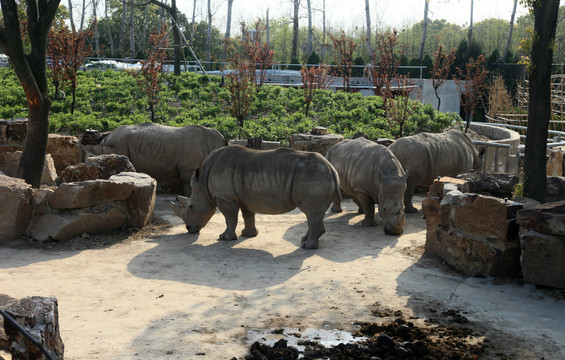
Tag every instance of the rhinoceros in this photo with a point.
(163, 152)
(371, 174)
(426, 156)
(260, 181)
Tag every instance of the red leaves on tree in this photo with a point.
(314, 78)
(344, 48)
(473, 82)
(441, 69)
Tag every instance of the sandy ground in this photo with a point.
(162, 293)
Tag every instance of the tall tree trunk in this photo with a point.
(96, 33)
(539, 104)
(31, 70)
(193, 26)
(71, 16)
(123, 27)
(82, 15)
(268, 29)
(108, 28)
(177, 36)
(369, 45)
(294, 50)
(209, 36)
(505, 54)
(470, 32)
(424, 31)
(144, 35)
(309, 46)
(228, 29)
(323, 30)
(131, 34)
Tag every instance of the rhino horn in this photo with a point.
(183, 200)
(177, 209)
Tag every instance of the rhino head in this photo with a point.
(391, 202)
(195, 211)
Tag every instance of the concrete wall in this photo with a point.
(448, 93)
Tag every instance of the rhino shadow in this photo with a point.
(221, 264)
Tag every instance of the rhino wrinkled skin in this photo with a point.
(164, 152)
(260, 181)
(426, 156)
(371, 174)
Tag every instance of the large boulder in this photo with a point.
(94, 206)
(49, 176)
(96, 167)
(542, 236)
(15, 213)
(64, 150)
(317, 140)
(475, 234)
(40, 317)
(12, 136)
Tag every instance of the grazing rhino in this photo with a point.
(260, 181)
(426, 156)
(371, 174)
(164, 152)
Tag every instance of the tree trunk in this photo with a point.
(123, 28)
(209, 36)
(539, 107)
(369, 45)
(309, 47)
(470, 32)
(131, 34)
(505, 54)
(424, 31)
(71, 16)
(268, 29)
(323, 30)
(108, 28)
(294, 50)
(228, 29)
(31, 70)
(96, 34)
(177, 37)
(82, 15)
(144, 35)
(193, 26)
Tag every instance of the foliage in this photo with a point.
(314, 78)
(473, 82)
(108, 99)
(441, 69)
(400, 108)
(381, 76)
(344, 48)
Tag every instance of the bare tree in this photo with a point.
(108, 27)
(193, 24)
(209, 36)
(82, 15)
(424, 31)
(294, 50)
(228, 29)
(30, 69)
(123, 27)
(177, 36)
(470, 32)
(309, 46)
(131, 33)
(71, 16)
(505, 54)
(368, 16)
(96, 34)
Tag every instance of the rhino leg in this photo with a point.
(408, 195)
(336, 206)
(249, 221)
(366, 207)
(315, 230)
(229, 210)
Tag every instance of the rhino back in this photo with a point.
(358, 163)
(269, 181)
(164, 150)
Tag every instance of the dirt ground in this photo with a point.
(161, 293)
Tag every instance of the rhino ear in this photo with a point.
(183, 200)
(196, 174)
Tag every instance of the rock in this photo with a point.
(15, 213)
(97, 167)
(64, 150)
(554, 166)
(88, 193)
(475, 234)
(319, 130)
(13, 131)
(40, 317)
(494, 184)
(555, 188)
(141, 202)
(548, 218)
(92, 137)
(7, 148)
(5, 301)
(49, 176)
(317, 143)
(543, 258)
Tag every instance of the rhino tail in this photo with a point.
(336, 199)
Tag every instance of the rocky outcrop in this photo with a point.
(16, 197)
(555, 188)
(49, 176)
(475, 234)
(542, 236)
(64, 150)
(94, 206)
(40, 317)
(317, 140)
(96, 167)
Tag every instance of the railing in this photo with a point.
(504, 121)
(34, 341)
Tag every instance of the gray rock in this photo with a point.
(15, 213)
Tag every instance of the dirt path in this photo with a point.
(162, 293)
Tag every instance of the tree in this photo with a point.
(172, 10)
(507, 47)
(294, 50)
(424, 30)
(344, 48)
(31, 71)
(539, 104)
(473, 82)
(441, 69)
(314, 78)
(470, 31)
(368, 17)
(381, 76)
(228, 27)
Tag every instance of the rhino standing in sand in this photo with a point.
(260, 181)
(371, 174)
(163, 152)
(426, 156)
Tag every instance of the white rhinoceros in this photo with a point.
(163, 152)
(371, 174)
(426, 156)
(260, 181)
